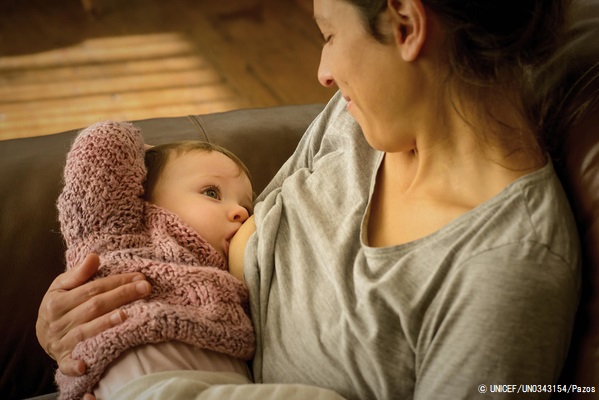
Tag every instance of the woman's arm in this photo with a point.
(73, 310)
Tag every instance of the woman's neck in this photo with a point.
(467, 157)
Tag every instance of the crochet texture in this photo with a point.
(194, 299)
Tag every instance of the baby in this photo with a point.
(169, 213)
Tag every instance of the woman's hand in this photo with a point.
(74, 309)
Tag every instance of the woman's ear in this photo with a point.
(408, 21)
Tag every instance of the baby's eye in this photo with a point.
(212, 192)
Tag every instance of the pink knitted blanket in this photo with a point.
(194, 299)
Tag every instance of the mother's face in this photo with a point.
(371, 75)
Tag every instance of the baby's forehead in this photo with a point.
(185, 155)
(225, 165)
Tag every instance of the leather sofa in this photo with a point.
(32, 251)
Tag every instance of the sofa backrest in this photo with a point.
(569, 84)
(581, 178)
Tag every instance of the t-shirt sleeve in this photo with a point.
(307, 148)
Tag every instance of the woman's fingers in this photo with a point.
(101, 296)
(101, 311)
(66, 363)
(71, 367)
(76, 277)
(74, 310)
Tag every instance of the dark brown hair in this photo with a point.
(157, 157)
(491, 44)
(487, 39)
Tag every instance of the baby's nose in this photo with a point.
(238, 214)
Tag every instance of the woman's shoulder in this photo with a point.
(532, 213)
(547, 205)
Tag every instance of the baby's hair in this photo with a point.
(157, 157)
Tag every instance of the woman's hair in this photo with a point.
(487, 40)
(566, 89)
(491, 44)
(157, 157)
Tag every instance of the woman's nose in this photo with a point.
(238, 213)
(324, 74)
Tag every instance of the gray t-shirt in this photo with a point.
(489, 299)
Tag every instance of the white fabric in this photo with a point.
(198, 385)
(165, 356)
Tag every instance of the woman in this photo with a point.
(418, 243)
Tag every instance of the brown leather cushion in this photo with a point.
(570, 86)
(582, 181)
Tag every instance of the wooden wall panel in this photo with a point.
(63, 68)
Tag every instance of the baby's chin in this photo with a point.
(225, 257)
(224, 254)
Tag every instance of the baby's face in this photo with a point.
(209, 192)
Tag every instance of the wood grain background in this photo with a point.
(63, 67)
